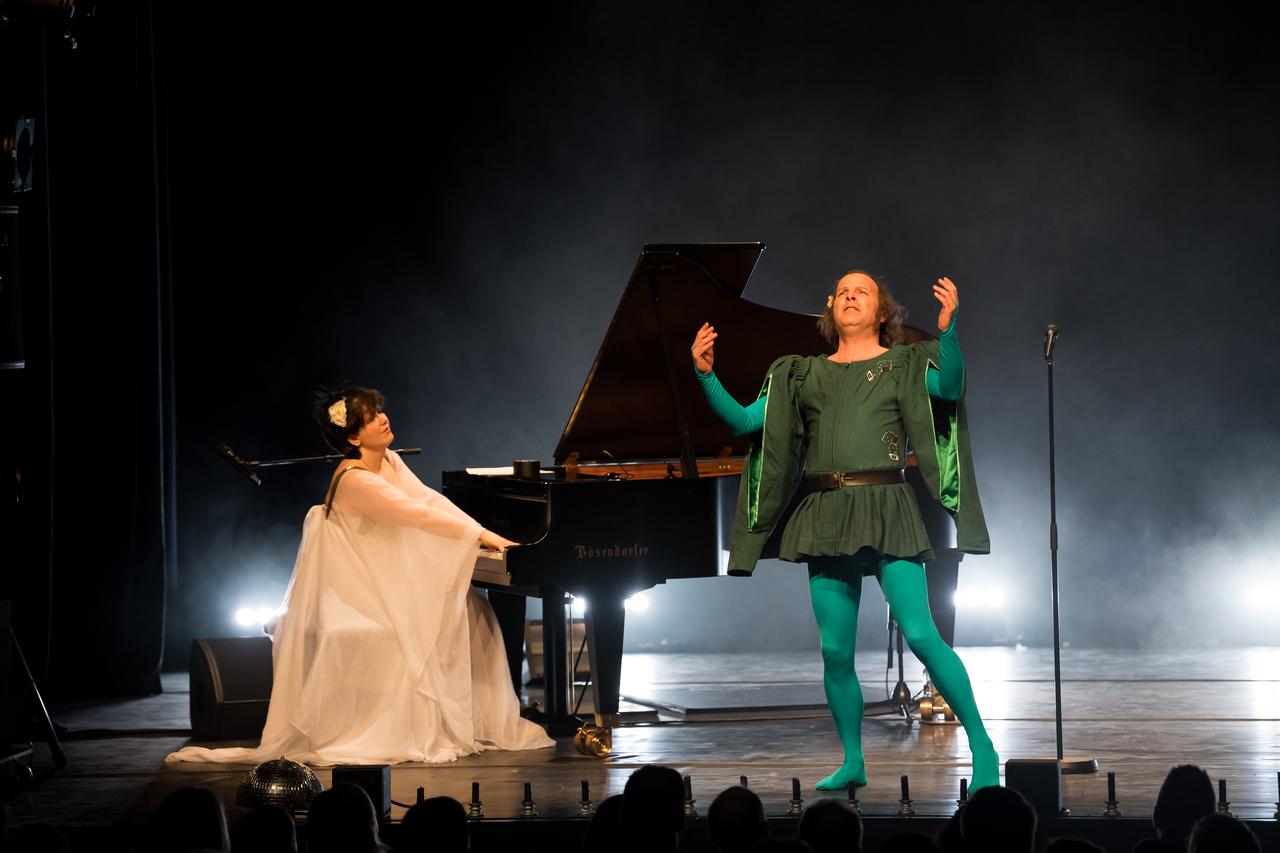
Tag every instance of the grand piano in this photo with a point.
(645, 477)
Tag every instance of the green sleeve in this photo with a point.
(946, 381)
(742, 420)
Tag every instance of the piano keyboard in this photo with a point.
(491, 568)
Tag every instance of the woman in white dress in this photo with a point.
(384, 653)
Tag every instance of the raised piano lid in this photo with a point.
(626, 408)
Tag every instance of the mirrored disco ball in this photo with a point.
(279, 782)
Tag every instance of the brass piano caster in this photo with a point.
(933, 705)
(596, 738)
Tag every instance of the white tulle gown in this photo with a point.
(384, 653)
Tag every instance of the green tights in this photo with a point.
(835, 586)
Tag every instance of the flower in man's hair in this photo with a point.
(830, 299)
(338, 413)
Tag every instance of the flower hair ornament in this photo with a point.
(830, 300)
(338, 413)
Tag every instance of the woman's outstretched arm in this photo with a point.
(367, 493)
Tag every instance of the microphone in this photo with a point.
(225, 451)
(1050, 338)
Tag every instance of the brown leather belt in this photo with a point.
(830, 480)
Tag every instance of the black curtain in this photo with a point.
(98, 363)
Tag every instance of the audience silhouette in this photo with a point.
(909, 842)
(781, 845)
(653, 809)
(736, 821)
(604, 832)
(342, 820)
(1072, 845)
(436, 824)
(831, 826)
(648, 817)
(998, 820)
(1222, 833)
(1186, 795)
(268, 829)
(187, 819)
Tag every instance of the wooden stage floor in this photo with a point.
(1137, 712)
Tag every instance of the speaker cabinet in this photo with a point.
(375, 779)
(1040, 781)
(230, 687)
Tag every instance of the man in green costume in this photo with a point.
(836, 428)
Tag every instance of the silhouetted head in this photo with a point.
(604, 833)
(859, 300)
(437, 824)
(342, 820)
(909, 842)
(949, 838)
(1222, 833)
(38, 838)
(736, 820)
(1072, 845)
(268, 829)
(781, 845)
(998, 820)
(1186, 795)
(188, 819)
(344, 415)
(831, 825)
(653, 807)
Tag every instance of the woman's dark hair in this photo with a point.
(891, 313)
(362, 405)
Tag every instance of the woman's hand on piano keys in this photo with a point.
(704, 348)
(494, 542)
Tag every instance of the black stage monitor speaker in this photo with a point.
(375, 779)
(1040, 781)
(230, 687)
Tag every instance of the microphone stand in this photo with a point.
(249, 468)
(1074, 764)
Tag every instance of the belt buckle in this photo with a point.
(847, 478)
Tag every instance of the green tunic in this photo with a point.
(825, 416)
(852, 423)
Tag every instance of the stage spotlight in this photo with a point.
(637, 603)
(1262, 596)
(986, 598)
(578, 606)
(255, 617)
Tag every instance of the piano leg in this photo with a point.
(941, 576)
(510, 611)
(605, 619)
(555, 663)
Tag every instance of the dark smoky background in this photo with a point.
(447, 206)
